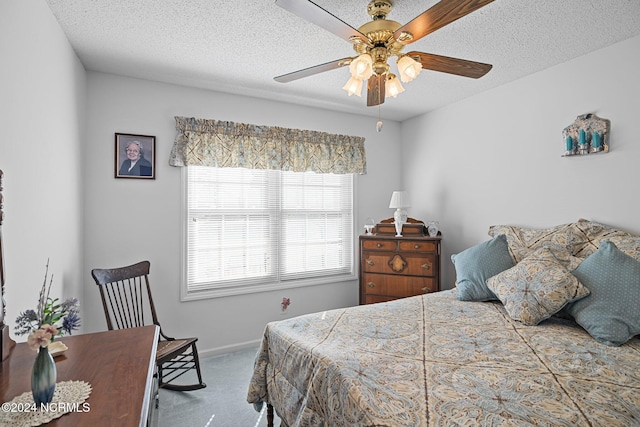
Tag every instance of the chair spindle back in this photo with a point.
(126, 295)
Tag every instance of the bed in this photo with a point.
(437, 360)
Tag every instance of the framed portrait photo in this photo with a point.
(135, 156)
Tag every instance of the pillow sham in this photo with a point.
(476, 264)
(537, 287)
(523, 241)
(590, 234)
(610, 314)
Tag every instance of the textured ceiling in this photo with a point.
(238, 46)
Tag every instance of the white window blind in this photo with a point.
(249, 230)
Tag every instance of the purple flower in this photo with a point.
(49, 312)
(71, 322)
(70, 305)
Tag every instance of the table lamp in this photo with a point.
(399, 201)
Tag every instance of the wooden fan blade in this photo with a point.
(375, 90)
(317, 15)
(445, 64)
(306, 72)
(436, 17)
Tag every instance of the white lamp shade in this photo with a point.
(408, 68)
(353, 86)
(362, 67)
(399, 199)
(393, 87)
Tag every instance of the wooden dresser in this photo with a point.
(398, 267)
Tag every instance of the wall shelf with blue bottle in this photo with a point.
(588, 134)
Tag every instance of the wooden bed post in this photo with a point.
(269, 415)
(5, 341)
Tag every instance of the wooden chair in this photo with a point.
(126, 299)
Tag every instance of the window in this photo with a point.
(251, 230)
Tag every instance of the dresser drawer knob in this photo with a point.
(426, 266)
(371, 285)
(379, 245)
(416, 246)
(426, 290)
(370, 262)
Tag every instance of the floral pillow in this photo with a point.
(523, 241)
(591, 234)
(538, 286)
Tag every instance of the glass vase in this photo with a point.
(432, 228)
(43, 377)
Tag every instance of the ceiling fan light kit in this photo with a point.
(362, 67)
(409, 68)
(353, 86)
(380, 39)
(393, 87)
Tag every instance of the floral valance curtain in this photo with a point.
(203, 142)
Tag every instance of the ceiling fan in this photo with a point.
(378, 40)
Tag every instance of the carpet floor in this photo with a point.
(223, 403)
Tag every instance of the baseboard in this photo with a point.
(217, 351)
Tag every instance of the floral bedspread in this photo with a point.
(435, 361)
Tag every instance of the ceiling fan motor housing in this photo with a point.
(379, 9)
(380, 32)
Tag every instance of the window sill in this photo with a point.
(252, 289)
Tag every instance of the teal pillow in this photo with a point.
(611, 314)
(478, 263)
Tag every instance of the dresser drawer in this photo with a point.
(379, 245)
(417, 246)
(397, 286)
(372, 299)
(399, 263)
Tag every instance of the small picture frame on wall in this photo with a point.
(135, 156)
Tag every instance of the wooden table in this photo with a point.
(118, 364)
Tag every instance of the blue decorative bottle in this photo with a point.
(43, 377)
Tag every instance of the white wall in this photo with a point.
(131, 220)
(42, 104)
(495, 158)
